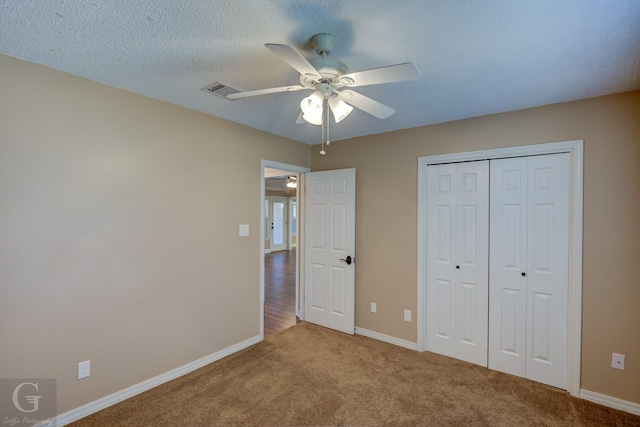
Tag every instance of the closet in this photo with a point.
(497, 264)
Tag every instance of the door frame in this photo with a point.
(574, 328)
(290, 202)
(294, 169)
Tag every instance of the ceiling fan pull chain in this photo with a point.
(326, 109)
(322, 133)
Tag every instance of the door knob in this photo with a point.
(347, 260)
(524, 274)
(458, 267)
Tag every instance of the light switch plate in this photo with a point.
(407, 315)
(243, 230)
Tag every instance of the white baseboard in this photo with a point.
(119, 396)
(387, 338)
(612, 402)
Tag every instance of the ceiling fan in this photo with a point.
(288, 181)
(331, 82)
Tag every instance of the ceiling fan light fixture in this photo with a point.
(313, 118)
(312, 103)
(339, 108)
(311, 107)
(292, 182)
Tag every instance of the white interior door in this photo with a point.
(457, 260)
(529, 267)
(278, 217)
(330, 249)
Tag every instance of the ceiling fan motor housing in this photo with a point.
(324, 43)
(330, 70)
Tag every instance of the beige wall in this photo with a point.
(117, 242)
(386, 215)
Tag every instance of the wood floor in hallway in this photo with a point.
(279, 291)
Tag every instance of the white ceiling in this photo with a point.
(475, 57)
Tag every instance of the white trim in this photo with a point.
(119, 396)
(421, 315)
(300, 254)
(289, 168)
(575, 148)
(386, 338)
(290, 201)
(611, 402)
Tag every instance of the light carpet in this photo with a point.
(311, 376)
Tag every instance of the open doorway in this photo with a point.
(280, 233)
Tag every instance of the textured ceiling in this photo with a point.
(475, 57)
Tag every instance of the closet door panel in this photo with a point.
(508, 260)
(472, 261)
(548, 274)
(441, 246)
(457, 260)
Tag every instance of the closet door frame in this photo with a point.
(574, 327)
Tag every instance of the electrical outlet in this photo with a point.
(84, 369)
(617, 361)
(374, 307)
(407, 315)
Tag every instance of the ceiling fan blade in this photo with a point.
(292, 57)
(300, 120)
(249, 93)
(374, 76)
(366, 104)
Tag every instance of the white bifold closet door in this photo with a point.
(457, 260)
(528, 270)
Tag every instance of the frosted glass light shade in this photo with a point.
(312, 103)
(312, 108)
(339, 108)
(313, 118)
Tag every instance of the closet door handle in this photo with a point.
(458, 267)
(523, 274)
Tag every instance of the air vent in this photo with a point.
(220, 89)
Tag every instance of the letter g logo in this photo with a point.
(31, 399)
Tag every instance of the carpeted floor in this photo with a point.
(312, 376)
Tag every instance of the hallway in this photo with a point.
(279, 291)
